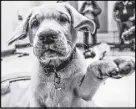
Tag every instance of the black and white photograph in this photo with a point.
(68, 54)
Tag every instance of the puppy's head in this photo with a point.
(51, 30)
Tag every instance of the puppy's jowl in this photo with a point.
(61, 77)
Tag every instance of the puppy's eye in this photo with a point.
(35, 23)
(63, 18)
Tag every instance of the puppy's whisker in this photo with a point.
(70, 42)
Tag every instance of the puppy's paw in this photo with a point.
(126, 66)
(116, 68)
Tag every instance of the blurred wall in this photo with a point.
(112, 25)
(103, 16)
(74, 4)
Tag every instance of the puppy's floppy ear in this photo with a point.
(21, 31)
(79, 21)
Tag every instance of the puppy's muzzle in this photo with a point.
(50, 45)
(48, 36)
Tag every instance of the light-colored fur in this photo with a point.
(79, 79)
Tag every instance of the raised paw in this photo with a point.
(126, 66)
(115, 68)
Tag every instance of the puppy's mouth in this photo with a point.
(52, 57)
(50, 54)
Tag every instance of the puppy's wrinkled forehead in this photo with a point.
(51, 11)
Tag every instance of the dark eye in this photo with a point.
(35, 23)
(63, 18)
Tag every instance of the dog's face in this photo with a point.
(51, 30)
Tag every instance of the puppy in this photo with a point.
(61, 77)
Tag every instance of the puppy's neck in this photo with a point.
(75, 67)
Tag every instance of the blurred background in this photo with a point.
(113, 93)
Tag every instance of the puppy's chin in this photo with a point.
(50, 61)
(53, 59)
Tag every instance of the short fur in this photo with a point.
(51, 29)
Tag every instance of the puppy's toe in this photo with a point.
(106, 68)
(126, 65)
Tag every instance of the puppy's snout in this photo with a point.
(48, 36)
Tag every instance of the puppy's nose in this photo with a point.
(48, 37)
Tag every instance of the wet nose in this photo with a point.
(48, 37)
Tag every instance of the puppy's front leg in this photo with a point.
(99, 71)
